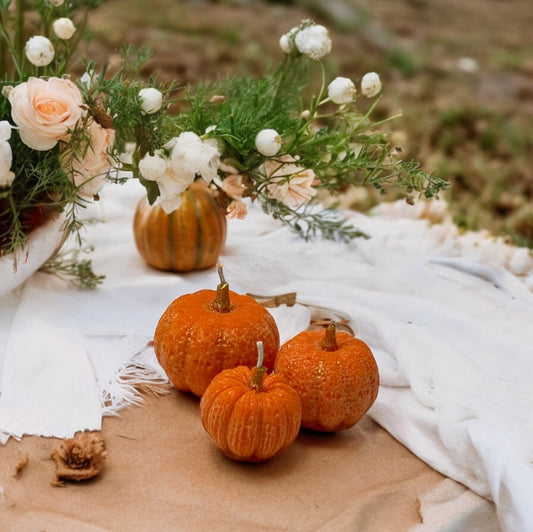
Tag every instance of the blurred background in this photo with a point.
(459, 71)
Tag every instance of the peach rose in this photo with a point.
(89, 168)
(289, 183)
(45, 110)
(237, 209)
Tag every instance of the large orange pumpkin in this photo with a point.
(251, 416)
(203, 333)
(335, 375)
(189, 238)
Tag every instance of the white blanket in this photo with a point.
(448, 317)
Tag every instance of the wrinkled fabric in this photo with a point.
(451, 335)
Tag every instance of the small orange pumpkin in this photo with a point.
(189, 238)
(335, 375)
(251, 416)
(203, 333)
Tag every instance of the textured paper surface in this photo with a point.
(163, 473)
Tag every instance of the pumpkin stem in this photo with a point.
(221, 303)
(256, 382)
(329, 342)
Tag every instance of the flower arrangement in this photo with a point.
(276, 140)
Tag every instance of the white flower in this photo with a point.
(87, 79)
(199, 157)
(57, 3)
(6, 155)
(370, 84)
(286, 41)
(189, 157)
(64, 28)
(313, 41)
(151, 100)
(268, 142)
(39, 50)
(341, 90)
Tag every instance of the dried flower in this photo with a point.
(64, 28)
(268, 142)
(39, 50)
(341, 90)
(370, 84)
(151, 100)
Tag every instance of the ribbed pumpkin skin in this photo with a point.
(249, 425)
(336, 387)
(194, 343)
(189, 238)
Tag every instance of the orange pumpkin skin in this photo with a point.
(246, 424)
(189, 238)
(336, 387)
(193, 343)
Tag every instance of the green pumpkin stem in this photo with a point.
(221, 303)
(329, 342)
(256, 382)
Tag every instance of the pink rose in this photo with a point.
(45, 110)
(290, 184)
(90, 165)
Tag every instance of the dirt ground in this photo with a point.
(460, 72)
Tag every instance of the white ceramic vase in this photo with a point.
(41, 244)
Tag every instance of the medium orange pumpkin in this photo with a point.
(203, 333)
(189, 238)
(251, 416)
(335, 375)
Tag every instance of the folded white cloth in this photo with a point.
(449, 329)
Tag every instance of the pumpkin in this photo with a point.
(189, 238)
(203, 333)
(250, 415)
(335, 375)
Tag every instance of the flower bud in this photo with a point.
(341, 90)
(39, 50)
(151, 100)
(268, 142)
(370, 84)
(64, 28)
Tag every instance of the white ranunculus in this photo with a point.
(64, 28)
(268, 142)
(151, 100)
(6, 155)
(370, 84)
(39, 50)
(341, 90)
(313, 41)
